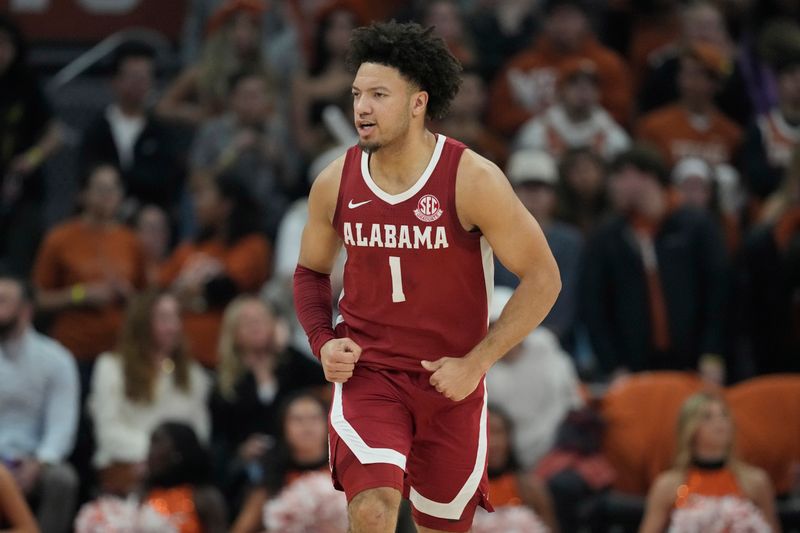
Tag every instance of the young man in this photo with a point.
(417, 214)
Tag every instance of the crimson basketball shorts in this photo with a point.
(394, 429)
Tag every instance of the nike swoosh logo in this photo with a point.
(351, 205)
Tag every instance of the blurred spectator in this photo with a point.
(520, 500)
(327, 81)
(708, 487)
(465, 120)
(128, 137)
(256, 373)
(527, 84)
(449, 23)
(503, 29)
(698, 187)
(582, 189)
(250, 142)
(576, 120)
(87, 268)
(694, 126)
(704, 25)
(15, 517)
(149, 379)
(280, 288)
(38, 412)
(771, 280)
(771, 138)
(153, 231)
(227, 257)
(654, 283)
(534, 176)
(29, 135)
(177, 494)
(301, 448)
(536, 385)
(233, 44)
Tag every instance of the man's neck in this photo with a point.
(398, 166)
(791, 113)
(579, 114)
(698, 107)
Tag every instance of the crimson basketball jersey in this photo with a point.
(416, 283)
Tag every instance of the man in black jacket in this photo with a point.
(655, 275)
(129, 137)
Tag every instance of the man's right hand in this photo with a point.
(339, 358)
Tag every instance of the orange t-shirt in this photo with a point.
(177, 504)
(75, 252)
(247, 263)
(504, 491)
(527, 84)
(715, 483)
(671, 131)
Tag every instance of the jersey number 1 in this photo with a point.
(397, 280)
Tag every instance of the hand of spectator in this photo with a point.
(332, 83)
(198, 271)
(254, 447)
(339, 358)
(245, 140)
(619, 377)
(27, 474)
(455, 377)
(25, 163)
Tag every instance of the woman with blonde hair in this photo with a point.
(233, 44)
(256, 373)
(709, 488)
(149, 379)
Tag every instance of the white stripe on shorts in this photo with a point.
(364, 453)
(452, 510)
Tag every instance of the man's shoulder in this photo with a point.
(50, 349)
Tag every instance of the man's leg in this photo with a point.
(374, 511)
(58, 492)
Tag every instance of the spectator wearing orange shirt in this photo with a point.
(694, 126)
(228, 257)
(87, 268)
(527, 84)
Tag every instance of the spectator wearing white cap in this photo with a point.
(536, 384)
(534, 176)
(704, 187)
(577, 120)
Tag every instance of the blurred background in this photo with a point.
(155, 159)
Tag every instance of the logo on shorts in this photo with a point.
(428, 208)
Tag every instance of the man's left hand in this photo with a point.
(455, 377)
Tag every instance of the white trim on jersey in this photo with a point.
(364, 453)
(487, 256)
(453, 509)
(394, 199)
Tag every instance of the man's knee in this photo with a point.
(374, 510)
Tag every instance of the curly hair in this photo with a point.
(420, 57)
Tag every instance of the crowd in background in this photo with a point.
(656, 143)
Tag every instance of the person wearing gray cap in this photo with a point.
(534, 176)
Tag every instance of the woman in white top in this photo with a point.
(148, 380)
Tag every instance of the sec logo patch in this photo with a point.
(428, 208)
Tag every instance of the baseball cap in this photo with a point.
(530, 165)
(580, 66)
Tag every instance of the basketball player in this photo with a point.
(419, 216)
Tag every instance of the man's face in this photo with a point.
(12, 308)
(566, 26)
(383, 105)
(789, 86)
(580, 94)
(134, 81)
(538, 197)
(695, 82)
(249, 101)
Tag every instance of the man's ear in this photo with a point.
(419, 103)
